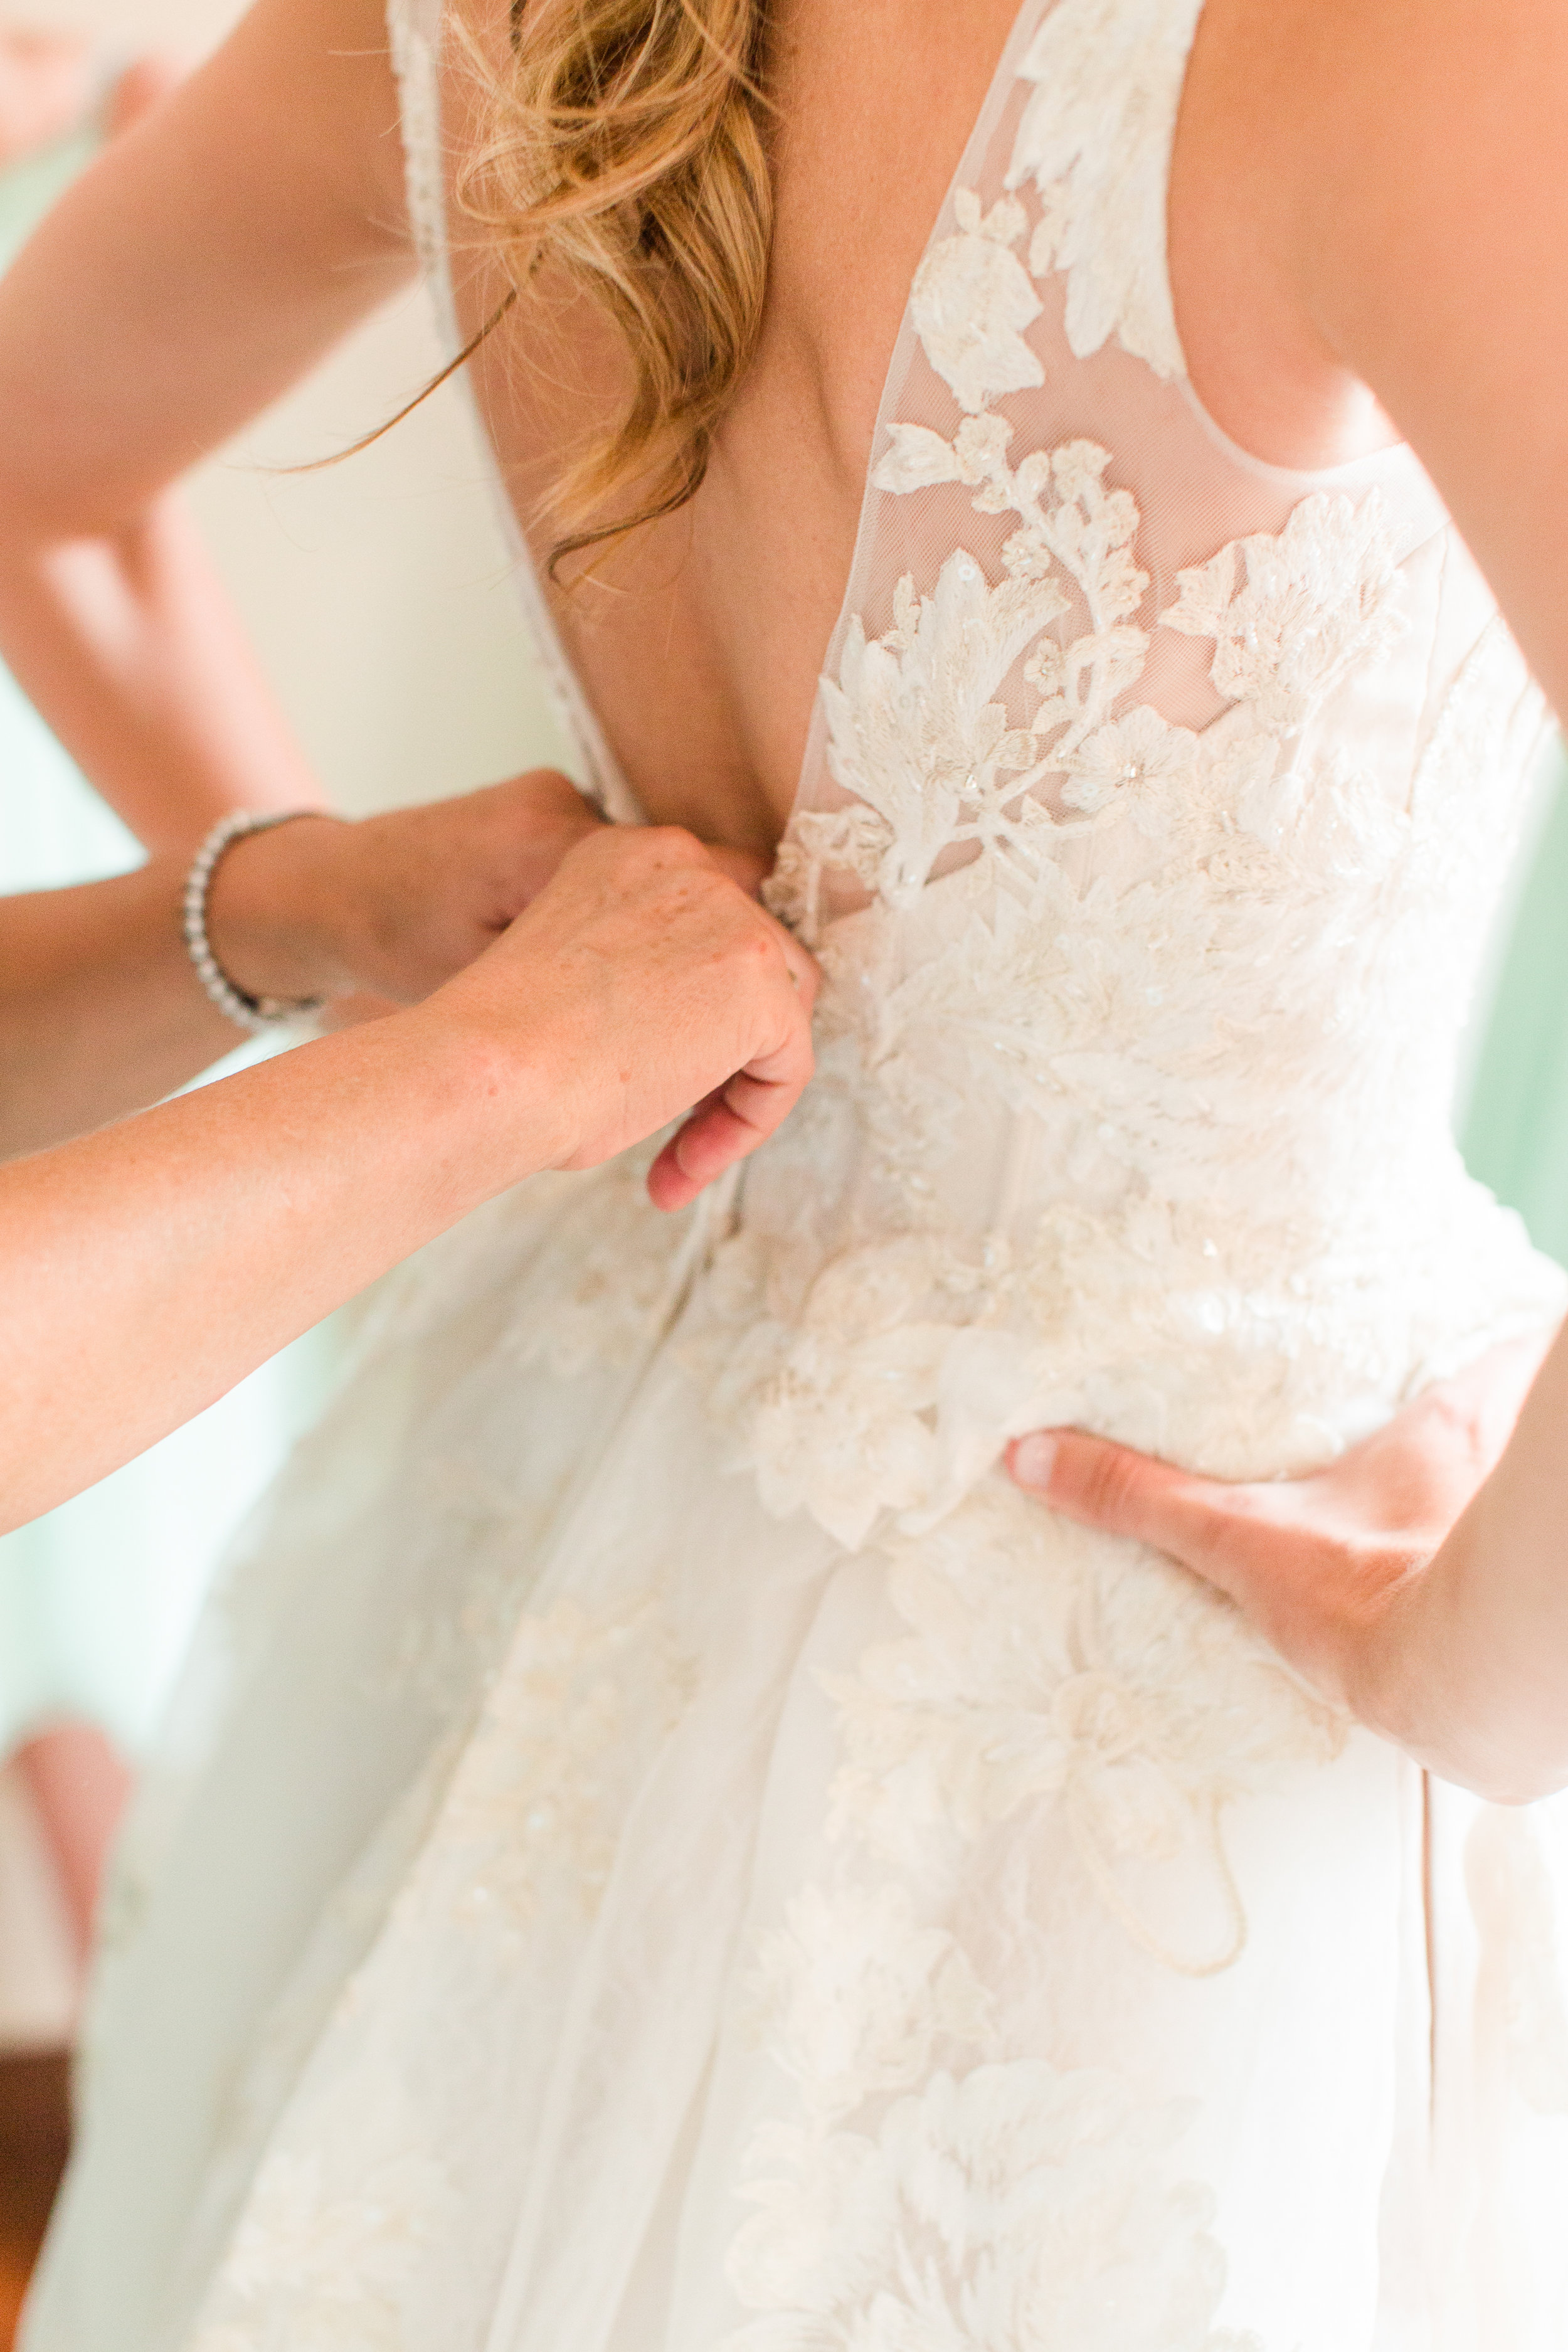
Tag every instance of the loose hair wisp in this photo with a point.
(623, 142)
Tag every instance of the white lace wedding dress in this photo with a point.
(662, 1848)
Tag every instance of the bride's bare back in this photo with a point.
(700, 651)
(700, 642)
(1323, 238)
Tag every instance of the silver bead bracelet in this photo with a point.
(253, 1013)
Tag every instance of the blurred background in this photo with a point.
(378, 595)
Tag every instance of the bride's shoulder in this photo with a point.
(1369, 204)
(1355, 122)
(1358, 184)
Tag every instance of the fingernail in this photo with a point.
(1034, 1458)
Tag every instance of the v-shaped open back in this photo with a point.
(1078, 119)
(416, 30)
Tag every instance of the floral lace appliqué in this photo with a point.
(327, 2249)
(536, 1808)
(1046, 1668)
(972, 300)
(851, 1995)
(1096, 139)
(918, 719)
(1017, 2208)
(1312, 605)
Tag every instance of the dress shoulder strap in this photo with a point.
(1096, 139)
(414, 36)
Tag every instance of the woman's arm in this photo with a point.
(101, 1012)
(146, 1270)
(46, 85)
(1421, 1579)
(201, 265)
(1369, 213)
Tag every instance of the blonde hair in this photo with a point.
(623, 142)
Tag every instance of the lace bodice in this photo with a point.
(1152, 808)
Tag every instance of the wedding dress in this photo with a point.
(663, 1848)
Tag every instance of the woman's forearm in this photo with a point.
(146, 1268)
(125, 642)
(101, 1012)
(1469, 1667)
(194, 271)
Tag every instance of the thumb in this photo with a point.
(742, 866)
(1126, 1494)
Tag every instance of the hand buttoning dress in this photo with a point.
(663, 1850)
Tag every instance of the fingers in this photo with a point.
(1100, 1484)
(540, 817)
(408, 897)
(656, 983)
(712, 1139)
(742, 866)
(544, 792)
(755, 1103)
(756, 1100)
(1315, 1562)
(725, 1129)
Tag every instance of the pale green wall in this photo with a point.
(1515, 1129)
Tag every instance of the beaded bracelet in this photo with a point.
(253, 1013)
